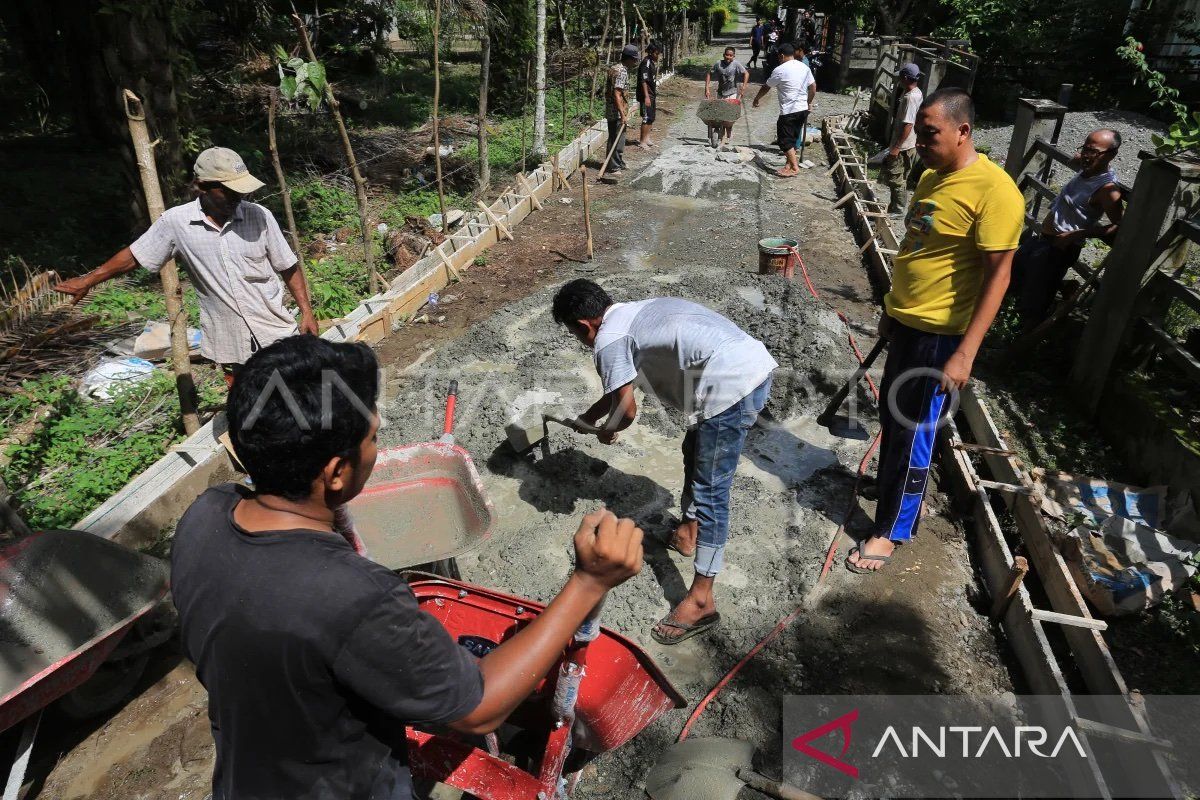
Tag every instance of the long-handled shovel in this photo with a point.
(840, 424)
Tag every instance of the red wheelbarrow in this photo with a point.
(604, 691)
(75, 625)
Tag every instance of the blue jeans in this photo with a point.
(711, 450)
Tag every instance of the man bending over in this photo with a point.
(697, 362)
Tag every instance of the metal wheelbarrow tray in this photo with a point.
(67, 599)
(423, 503)
(622, 692)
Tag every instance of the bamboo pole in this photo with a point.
(607, 55)
(279, 177)
(437, 97)
(562, 93)
(360, 185)
(524, 116)
(587, 209)
(181, 362)
(485, 66)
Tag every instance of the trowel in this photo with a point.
(532, 427)
(712, 768)
(840, 424)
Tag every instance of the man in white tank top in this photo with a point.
(1074, 217)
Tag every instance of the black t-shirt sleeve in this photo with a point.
(402, 661)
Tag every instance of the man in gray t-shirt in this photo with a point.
(728, 74)
(697, 362)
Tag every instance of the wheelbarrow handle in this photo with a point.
(451, 402)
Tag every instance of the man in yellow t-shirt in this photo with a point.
(948, 282)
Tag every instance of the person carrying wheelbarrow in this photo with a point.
(700, 363)
(314, 657)
(728, 74)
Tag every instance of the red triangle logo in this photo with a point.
(842, 724)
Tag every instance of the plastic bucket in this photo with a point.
(777, 257)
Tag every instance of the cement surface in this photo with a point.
(688, 225)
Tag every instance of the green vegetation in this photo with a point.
(137, 298)
(1184, 133)
(336, 285)
(85, 451)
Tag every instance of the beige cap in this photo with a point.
(222, 165)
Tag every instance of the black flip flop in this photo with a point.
(701, 625)
(850, 565)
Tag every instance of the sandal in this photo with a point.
(700, 626)
(673, 545)
(850, 565)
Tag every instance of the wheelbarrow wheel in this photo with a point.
(105, 690)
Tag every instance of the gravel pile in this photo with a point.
(1135, 132)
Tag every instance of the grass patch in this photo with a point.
(138, 298)
(86, 451)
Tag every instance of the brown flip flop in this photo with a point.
(705, 623)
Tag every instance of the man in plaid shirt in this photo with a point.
(235, 255)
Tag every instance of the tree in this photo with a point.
(539, 95)
(510, 49)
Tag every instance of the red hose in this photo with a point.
(830, 553)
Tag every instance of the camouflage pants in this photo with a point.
(894, 175)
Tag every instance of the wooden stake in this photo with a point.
(437, 96)
(279, 177)
(533, 201)
(181, 362)
(448, 264)
(587, 209)
(360, 185)
(504, 231)
(1020, 569)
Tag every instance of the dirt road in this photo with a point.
(682, 223)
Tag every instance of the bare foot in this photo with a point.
(689, 611)
(787, 172)
(875, 546)
(684, 538)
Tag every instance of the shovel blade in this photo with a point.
(704, 767)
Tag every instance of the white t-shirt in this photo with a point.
(688, 356)
(792, 79)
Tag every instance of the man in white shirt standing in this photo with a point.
(797, 91)
(697, 362)
(902, 155)
(236, 258)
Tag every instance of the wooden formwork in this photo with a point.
(1029, 629)
(877, 241)
(150, 503)
(1025, 625)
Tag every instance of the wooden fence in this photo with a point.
(941, 61)
(1137, 285)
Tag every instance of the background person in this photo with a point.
(235, 255)
(756, 40)
(797, 90)
(616, 111)
(1043, 259)
(697, 362)
(315, 658)
(728, 73)
(902, 153)
(948, 282)
(647, 92)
